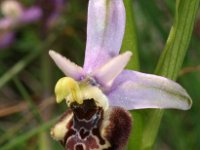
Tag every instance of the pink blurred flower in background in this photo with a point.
(14, 16)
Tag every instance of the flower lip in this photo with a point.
(85, 110)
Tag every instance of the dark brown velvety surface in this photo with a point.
(84, 129)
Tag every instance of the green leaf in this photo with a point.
(171, 59)
(178, 41)
(130, 36)
(151, 10)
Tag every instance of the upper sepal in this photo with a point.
(105, 30)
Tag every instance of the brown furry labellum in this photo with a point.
(89, 127)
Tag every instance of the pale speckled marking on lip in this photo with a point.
(59, 130)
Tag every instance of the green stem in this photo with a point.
(46, 79)
(29, 100)
(24, 137)
(46, 75)
(177, 44)
(171, 60)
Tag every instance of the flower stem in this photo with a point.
(29, 100)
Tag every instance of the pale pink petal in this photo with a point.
(31, 14)
(135, 90)
(66, 66)
(109, 71)
(105, 30)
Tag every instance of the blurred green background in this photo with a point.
(28, 75)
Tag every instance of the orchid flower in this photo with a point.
(15, 15)
(99, 93)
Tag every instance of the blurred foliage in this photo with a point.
(27, 75)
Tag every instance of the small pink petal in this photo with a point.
(109, 71)
(105, 30)
(66, 66)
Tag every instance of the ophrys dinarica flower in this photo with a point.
(100, 93)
